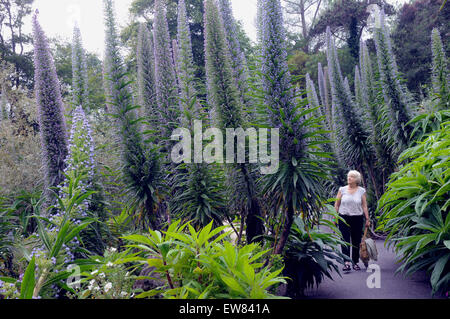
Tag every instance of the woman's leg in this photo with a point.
(356, 234)
(345, 230)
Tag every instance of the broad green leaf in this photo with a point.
(29, 281)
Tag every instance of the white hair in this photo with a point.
(355, 174)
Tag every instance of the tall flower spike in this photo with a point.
(140, 165)
(360, 97)
(79, 70)
(313, 99)
(367, 76)
(276, 80)
(51, 112)
(3, 104)
(146, 72)
(166, 85)
(238, 59)
(186, 68)
(375, 110)
(394, 93)
(222, 93)
(324, 91)
(440, 75)
(224, 98)
(80, 159)
(358, 152)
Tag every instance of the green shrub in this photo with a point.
(203, 264)
(416, 208)
(311, 254)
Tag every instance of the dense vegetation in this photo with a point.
(94, 205)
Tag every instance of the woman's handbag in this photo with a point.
(363, 252)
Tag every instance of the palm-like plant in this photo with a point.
(295, 187)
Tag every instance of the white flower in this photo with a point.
(112, 249)
(92, 282)
(102, 275)
(94, 272)
(108, 286)
(124, 293)
(109, 264)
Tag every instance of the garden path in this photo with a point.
(353, 285)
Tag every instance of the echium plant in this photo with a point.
(51, 113)
(166, 85)
(223, 96)
(440, 75)
(186, 69)
(314, 103)
(238, 59)
(140, 168)
(199, 196)
(394, 93)
(79, 71)
(296, 187)
(3, 104)
(370, 101)
(357, 148)
(324, 92)
(80, 159)
(146, 73)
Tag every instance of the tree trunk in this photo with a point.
(286, 230)
(255, 225)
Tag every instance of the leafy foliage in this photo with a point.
(311, 255)
(416, 208)
(203, 264)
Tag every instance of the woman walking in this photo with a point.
(351, 204)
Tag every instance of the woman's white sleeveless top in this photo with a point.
(351, 204)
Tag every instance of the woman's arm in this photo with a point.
(337, 204)
(365, 209)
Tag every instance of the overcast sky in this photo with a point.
(57, 18)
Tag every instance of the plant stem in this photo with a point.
(40, 283)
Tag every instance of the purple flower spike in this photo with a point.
(51, 112)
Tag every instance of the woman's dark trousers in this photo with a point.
(353, 232)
